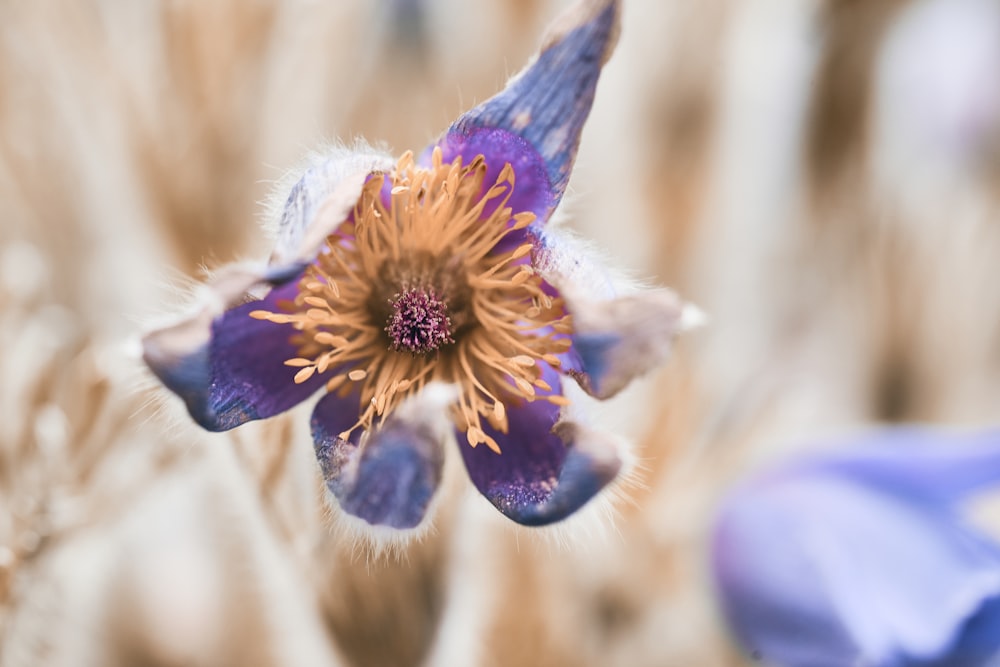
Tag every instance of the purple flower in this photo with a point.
(862, 557)
(394, 278)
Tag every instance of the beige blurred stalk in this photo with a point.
(759, 156)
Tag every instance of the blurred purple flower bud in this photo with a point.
(391, 276)
(862, 557)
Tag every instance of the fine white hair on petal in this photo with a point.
(320, 172)
(429, 409)
(621, 339)
(382, 543)
(374, 543)
(298, 196)
(430, 405)
(570, 262)
(597, 521)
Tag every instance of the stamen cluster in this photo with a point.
(413, 288)
(419, 322)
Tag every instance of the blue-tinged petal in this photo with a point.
(535, 122)
(547, 469)
(229, 369)
(388, 476)
(616, 336)
(824, 563)
(618, 340)
(948, 465)
(979, 640)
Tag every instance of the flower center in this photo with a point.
(425, 282)
(419, 322)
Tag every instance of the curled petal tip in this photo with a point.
(592, 462)
(225, 365)
(547, 104)
(546, 469)
(178, 357)
(620, 339)
(606, 13)
(178, 354)
(388, 476)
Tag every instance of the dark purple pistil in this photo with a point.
(419, 322)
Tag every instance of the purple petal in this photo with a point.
(388, 476)
(543, 109)
(229, 369)
(547, 469)
(824, 565)
(532, 188)
(947, 466)
(618, 340)
(979, 641)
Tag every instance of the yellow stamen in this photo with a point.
(435, 233)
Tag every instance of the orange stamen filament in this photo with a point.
(435, 224)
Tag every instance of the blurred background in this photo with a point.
(820, 176)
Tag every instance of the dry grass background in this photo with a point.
(782, 163)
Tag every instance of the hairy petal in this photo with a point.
(570, 263)
(547, 469)
(543, 109)
(618, 340)
(825, 564)
(226, 366)
(619, 334)
(388, 476)
(322, 199)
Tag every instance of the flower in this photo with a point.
(861, 557)
(426, 292)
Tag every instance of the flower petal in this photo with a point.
(228, 368)
(533, 190)
(776, 604)
(542, 110)
(617, 340)
(979, 641)
(821, 565)
(936, 464)
(570, 263)
(321, 199)
(547, 469)
(388, 476)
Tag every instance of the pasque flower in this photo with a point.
(863, 558)
(426, 298)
